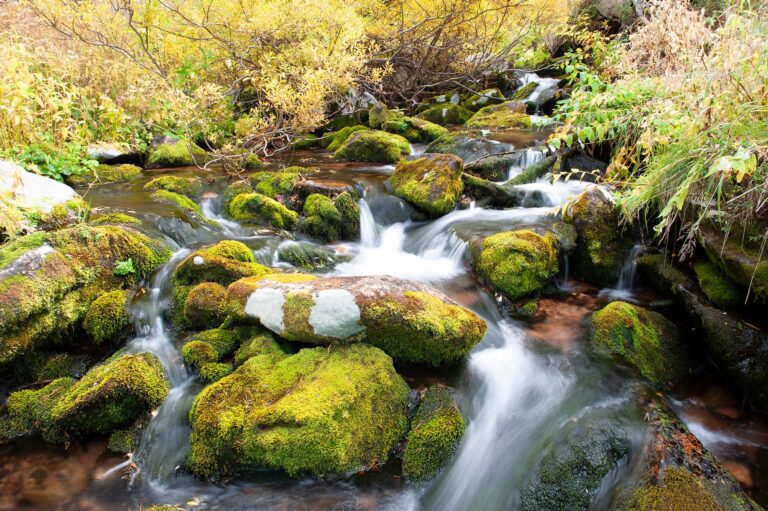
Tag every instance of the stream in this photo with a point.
(523, 390)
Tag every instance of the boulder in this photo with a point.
(181, 204)
(323, 219)
(504, 116)
(214, 345)
(482, 99)
(223, 263)
(436, 430)
(414, 129)
(740, 263)
(516, 263)
(190, 187)
(468, 145)
(48, 280)
(334, 140)
(431, 182)
(259, 209)
(374, 146)
(108, 318)
(169, 152)
(410, 321)
(322, 412)
(601, 247)
(112, 153)
(277, 184)
(203, 305)
(446, 114)
(327, 187)
(677, 473)
(33, 193)
(106, 174)
(641, 338)
(307, 256)
(110, 396)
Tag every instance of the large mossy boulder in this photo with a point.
(601, 246)
(259, 209)
(171, 152)
(329, 220)
(436, 430)
(181, 205)
(678, 474)
(641, 338)
(276, 184)
(103, 174)
(740, 263)
(110, 396)
(322, 411)
(570, 477)
(516, 263)
(504, 116)
(48, 280)
(333, 141)
(203, 305)
(374, 146)
(431, 182)
(446, 114)
(191, 187)
(410, 321)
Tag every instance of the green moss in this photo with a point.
(435, 432)
(179, 154)
(59, 366)
(198, 353)
(718, 288)
(431, 183)
(106, 174)
(126, 440)
(214, 371)
(274, 184)
(446, 114)
(11, 250)
(509, 115)
(260, 209)
(203, 305)
(321, 218)
(29, 411)
(525, 91)
(374, 146)
(337, 138)
(350, 215)
(73, 211)
(742, 264)
(183, 202)
(191, 187)
(641, 338)
(414, 129)
(108, 319)
(262, 344)
(321, 411)
(422, 329)
(232, 191)
(115, 219)
(378, 115)
(307, 257)
(223, 263)
(679, 491)
(516, 263)
(484, 98)
(306, 142)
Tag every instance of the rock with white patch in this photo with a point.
(410, 321)
(32, 192)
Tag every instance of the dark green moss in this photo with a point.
(125, 441)
(525, 91)
(414, 129)
(718, 288)
(350, 216)
(232, 191)
(483, 98)
(115, 219)
(106, 174)
(321, 218)
(11, 250)
(307, 257)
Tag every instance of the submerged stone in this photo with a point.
(431, 182)
(410, 321)
(322, 412)
(374, 146)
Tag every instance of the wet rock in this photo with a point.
(374, 146)
(259, 209)
(233, 190)
(492, 168)
(322, 411)
(113, 153)
(436, 430)
(410, 321)
(223, 263)
(467, 145)
(525, 91)
(327, 222)
(516, 263)
(108, 319)
(601, 246)
(106, 174)
(449, 98)
(484, 98)
(33, 193)
(48, 280)
(110, 396)
(431, 182)
(487, 193)
(126, 440)
(570, 478)
(169, 152)
(504, 116)
(446, 114)
(741, 264)
(327, 187)
(191, 187)
(641, 338)
(332, 141)
(678, 473)
(582, 166)
(718, 288)
(182, 205)
(414, 129)
(307, 256)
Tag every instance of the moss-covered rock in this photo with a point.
(740, 263)
(223, 263)
(469, 145)
(307, 256)
(126, 440)
(108, 318)
(203, 305)
(601, 247)
(516, 263)
(261, 344)
(232, 191)
(431, 182)
(525, 91)
(59, 365)
(484, 98)
(71, 212)
(173, 152)
(379, 114)
(215, 344)
(641, 338)
(446, 114)
(374, 146)
(191, 187)
(436, 431)
(321, 411)
(110, 396)
(448, 98)
(106, 174)
(350, 215)
(414, 129)
(323, 220)
(275, 184)
(214, 371)
(410, 321)
(259, 209)
(337, 138)
(718, 288)
(115, 219)
(505, 116)
(181, 203)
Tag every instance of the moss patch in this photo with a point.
(509, 115)
(115, 219)
(203, 305)
(432, 183)
(190, 187)
(181, 153)
(374, 146)
(337, 138)
(108, 319)
(106, 174)
(260, 209)
(223, 263)
(718, 288)
(274, 184)
(182, 202)
(215, 371)
(414, 129)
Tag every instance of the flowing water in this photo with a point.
(525, 388)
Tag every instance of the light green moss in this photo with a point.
(274, 184)
(203, 305)
(223, 263)
(509, 115)
(321, 218)
(337, 138)
(262, 344)
(197, 353)
(179, 154)
(516, 263)
(73, 211)
(11, 250)
(106, 174)
(232, 191)
(350, 216)
(321, 411)
(215, 371)
(446, 114)
(414, 129)
(718, 288)
(108, 319)
(679, 491)
(379, 114)
(191, 187)
(642, 338)
(431, 183)
(525, 91)
(115, 219)
(436, 430)
(183, 202)
(374, 146)
(260, 209)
